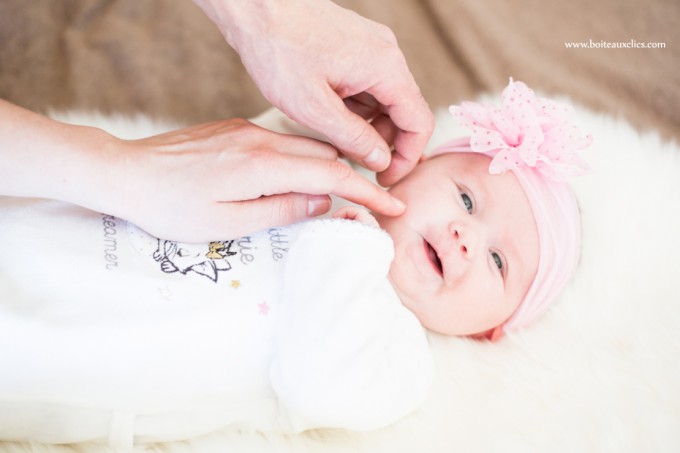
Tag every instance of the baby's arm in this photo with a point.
(349, 354)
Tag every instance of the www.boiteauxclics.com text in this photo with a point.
(601, 44)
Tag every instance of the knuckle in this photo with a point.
(390, 47)
(260, 155)
(261, 161)
(241, 129)
(240, 122)
(386, 34)
(308, 112)
(359, 137)
(286, 208)
(340, 172)
(428, 121)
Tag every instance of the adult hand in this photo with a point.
(333, 71)
(229, 178)
(214, 181)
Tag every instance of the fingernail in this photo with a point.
(399, 204)
(318, 204)
(378, 157)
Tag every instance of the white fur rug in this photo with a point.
(600, 373)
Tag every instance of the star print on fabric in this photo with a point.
(264, 308)
(235, 284)
(165, 293)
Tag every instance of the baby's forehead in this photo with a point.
(459, 156)
(474, 163)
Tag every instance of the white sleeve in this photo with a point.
(349, 355)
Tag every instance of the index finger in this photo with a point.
(288, 173)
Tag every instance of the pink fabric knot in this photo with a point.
(525, 131)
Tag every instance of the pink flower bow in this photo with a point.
(525, 130)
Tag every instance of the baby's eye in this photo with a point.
(467, 201)
(497, 260)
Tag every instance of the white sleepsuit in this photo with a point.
(113, 335)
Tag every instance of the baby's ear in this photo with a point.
(491, 335)
(496, 333)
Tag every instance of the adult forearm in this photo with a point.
(41, 157)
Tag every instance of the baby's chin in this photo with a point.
(475, 334)
(405, 296)
(416, 305)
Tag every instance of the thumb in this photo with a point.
(355, 137)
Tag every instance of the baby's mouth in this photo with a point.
(434, 258)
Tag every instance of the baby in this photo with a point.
(121, 337)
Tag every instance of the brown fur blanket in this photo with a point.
(165, 59)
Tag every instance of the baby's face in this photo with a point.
(466, 249)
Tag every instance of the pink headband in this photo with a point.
(535, 139)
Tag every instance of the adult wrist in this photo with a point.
(93, 173)
(44, 158)
(236, 18)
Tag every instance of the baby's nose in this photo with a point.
(465, 239)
